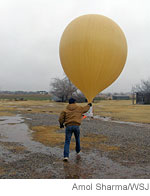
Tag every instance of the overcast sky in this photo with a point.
(30, 31)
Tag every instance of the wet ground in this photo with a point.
(115, 150)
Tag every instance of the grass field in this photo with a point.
(116, 109)
(123, 110)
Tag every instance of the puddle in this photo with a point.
(13, 129)
(11, 119)
(108, 119)
(102, 118)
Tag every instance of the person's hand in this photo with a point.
(90, 104)
(61, 126)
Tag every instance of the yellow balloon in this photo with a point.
(93, 51)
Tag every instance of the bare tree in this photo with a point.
(143, 87)
(79, 96)
(62, 89)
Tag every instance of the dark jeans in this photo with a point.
(69, 130)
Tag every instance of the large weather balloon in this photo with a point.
(93, 51)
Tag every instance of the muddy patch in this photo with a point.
(13, 147)
(27, 168)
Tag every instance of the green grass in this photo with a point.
(25, 97)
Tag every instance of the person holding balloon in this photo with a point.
(93, 52)
(72, 117)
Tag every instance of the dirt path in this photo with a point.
(109, 150)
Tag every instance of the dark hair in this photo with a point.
(72, 100)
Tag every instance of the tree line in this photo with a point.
(63, 89)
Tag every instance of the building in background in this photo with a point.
(142, 98)
(120, 97)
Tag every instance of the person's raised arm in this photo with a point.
(86, 108)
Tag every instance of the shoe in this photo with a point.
(65, 159)
(78, 153)
(78, 156)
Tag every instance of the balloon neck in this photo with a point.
(90, 100)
